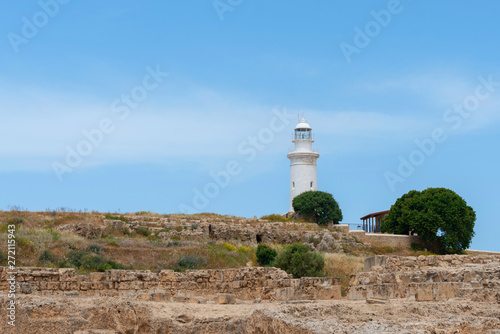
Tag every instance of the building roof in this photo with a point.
(303, 124)
(375, 214)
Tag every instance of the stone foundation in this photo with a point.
(382, 239)
(192, 286)
(333, 239)
(429, 278)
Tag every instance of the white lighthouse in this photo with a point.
(303, 169)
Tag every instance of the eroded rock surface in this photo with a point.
(44, 314)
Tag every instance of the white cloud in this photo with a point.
(36, 125)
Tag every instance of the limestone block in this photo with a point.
(69, 285)
(444, 291)
(67, 275)
(328, 293)
(97, 277)
(225, 298)
(424, 293)
(84, 286)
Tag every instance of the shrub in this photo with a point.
(3, 258)
(111, 217)
(243, 249)
(144, 231)
(46, 257)
(92, 262)
(229, 247)
(75, 258)
(55, 235)
(15, 221)
(97, 263)
(189, 262)
(96, 249)
(435, 214)
(300, 261)
(265, 255)
(319, 206)
(154, 238)
(275, 217)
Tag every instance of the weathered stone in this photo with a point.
(225, 298)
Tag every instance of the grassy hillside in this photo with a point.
(40, 242)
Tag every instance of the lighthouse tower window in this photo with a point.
(293, 185)
(311, 184)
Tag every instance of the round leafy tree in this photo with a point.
(434, 214)
(318, 205)
(298, 260)
(265, 255)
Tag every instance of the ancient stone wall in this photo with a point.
(412, 263)
(167, 285)
(251, 231)
(428, 278)
(381, 239)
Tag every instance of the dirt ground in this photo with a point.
(92, 315)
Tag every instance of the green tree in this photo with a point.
(435, 214)
(265, 255)
(298, 260)
(318, 205)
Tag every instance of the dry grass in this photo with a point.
(342, 266)
(38, 231)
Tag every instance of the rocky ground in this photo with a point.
(92, 315)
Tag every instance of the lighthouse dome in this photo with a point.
(303, 124)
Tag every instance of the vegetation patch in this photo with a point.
(435, 214)
(298, 260)
(111, 217)
(275, 217)
(319, 206)
(190, 262)
(342, 266)
(265, 255)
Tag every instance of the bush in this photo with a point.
(189, 262)
(46, 257)
(96, 249)
(3, 258)
(15, 221)
(275, 217)
(229, 247)
(97, 263)
(111, 217)
(319, 206)
(75, 258)
(144, 231)
(300, 261)
(435, 214)
(265, 255)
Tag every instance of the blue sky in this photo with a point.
(67, 68)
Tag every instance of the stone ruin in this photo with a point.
(194, 286)
(428, 278)
(256, 231)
